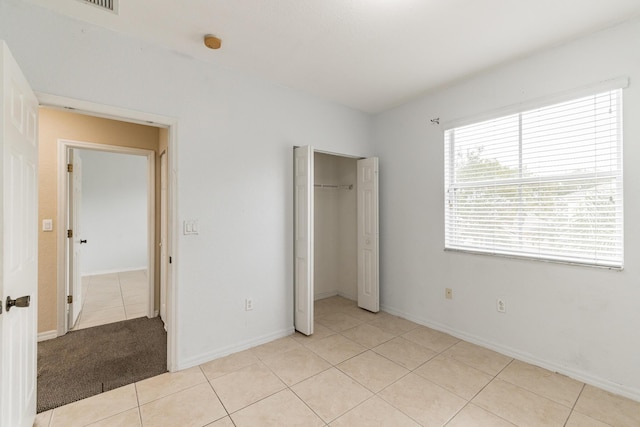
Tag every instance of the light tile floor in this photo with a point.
(358, 369)
(109, 298)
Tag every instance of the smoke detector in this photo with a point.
(212, 42)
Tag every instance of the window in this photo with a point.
(543, 184)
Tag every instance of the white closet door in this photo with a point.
(18, 244)
(368, 250)
(303, 239)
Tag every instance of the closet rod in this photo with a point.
(335, 186)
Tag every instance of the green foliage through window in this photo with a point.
(543, 184)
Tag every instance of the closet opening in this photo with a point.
(335, 235)
(336, 231)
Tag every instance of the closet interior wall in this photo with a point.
(335, 240)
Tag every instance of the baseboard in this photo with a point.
(47, 335)
(112, 271)
(350, 297)
(330, 294)
(323, 295)
(225, 351)
(576, 374)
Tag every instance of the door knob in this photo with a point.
(18, 302)
(82, 241)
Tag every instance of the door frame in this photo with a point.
(171, 124)
(315, 150)
(64, 145)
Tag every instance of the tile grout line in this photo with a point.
(135, 385)
(441, 352)
(470, 401)
(217, 397)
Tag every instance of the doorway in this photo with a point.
(100, 117)
(335, 231)
(110, 214)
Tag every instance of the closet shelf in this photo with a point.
(335, 186)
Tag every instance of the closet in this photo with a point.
(335, 248)
(335, 231)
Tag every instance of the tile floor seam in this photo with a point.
(120, 290)
(219, 400)
(173, 393)
(573, 408)
(470, 401)
(538, 394)
(526, 390)
(308, 406)
(140, 416)
(453, 392)
(398, 409)
(456, 414)
(385, 387)
(252, 403)
(369, 348)
(584, 385)
(480, 391)
(135, 386)
(107, 417)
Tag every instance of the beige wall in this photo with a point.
(55, 125)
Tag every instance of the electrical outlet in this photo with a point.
(448, 293)
(501, 305)
(248, 304)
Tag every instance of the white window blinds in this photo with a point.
(544, 183)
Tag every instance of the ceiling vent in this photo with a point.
(110, 5)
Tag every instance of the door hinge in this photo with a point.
(170, 260)
(69, 233)
(69, 299)
(69, 167)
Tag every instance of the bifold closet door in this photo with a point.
(303, 239)
(368, 241)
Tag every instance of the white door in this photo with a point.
(75, 242)
(18, 245)
(163, 238)
(303, 239)
(368, 250)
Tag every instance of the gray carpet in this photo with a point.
(90, 361)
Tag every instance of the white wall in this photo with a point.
(114, 212)
(235, 135)
(578, 320)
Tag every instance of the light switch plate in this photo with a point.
(190, 227)
(47, 225)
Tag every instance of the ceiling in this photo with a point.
(370, 55)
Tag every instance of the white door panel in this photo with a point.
(75, 243)
(368, 241)
(164, 254)
(18, 245)
(303, 239)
